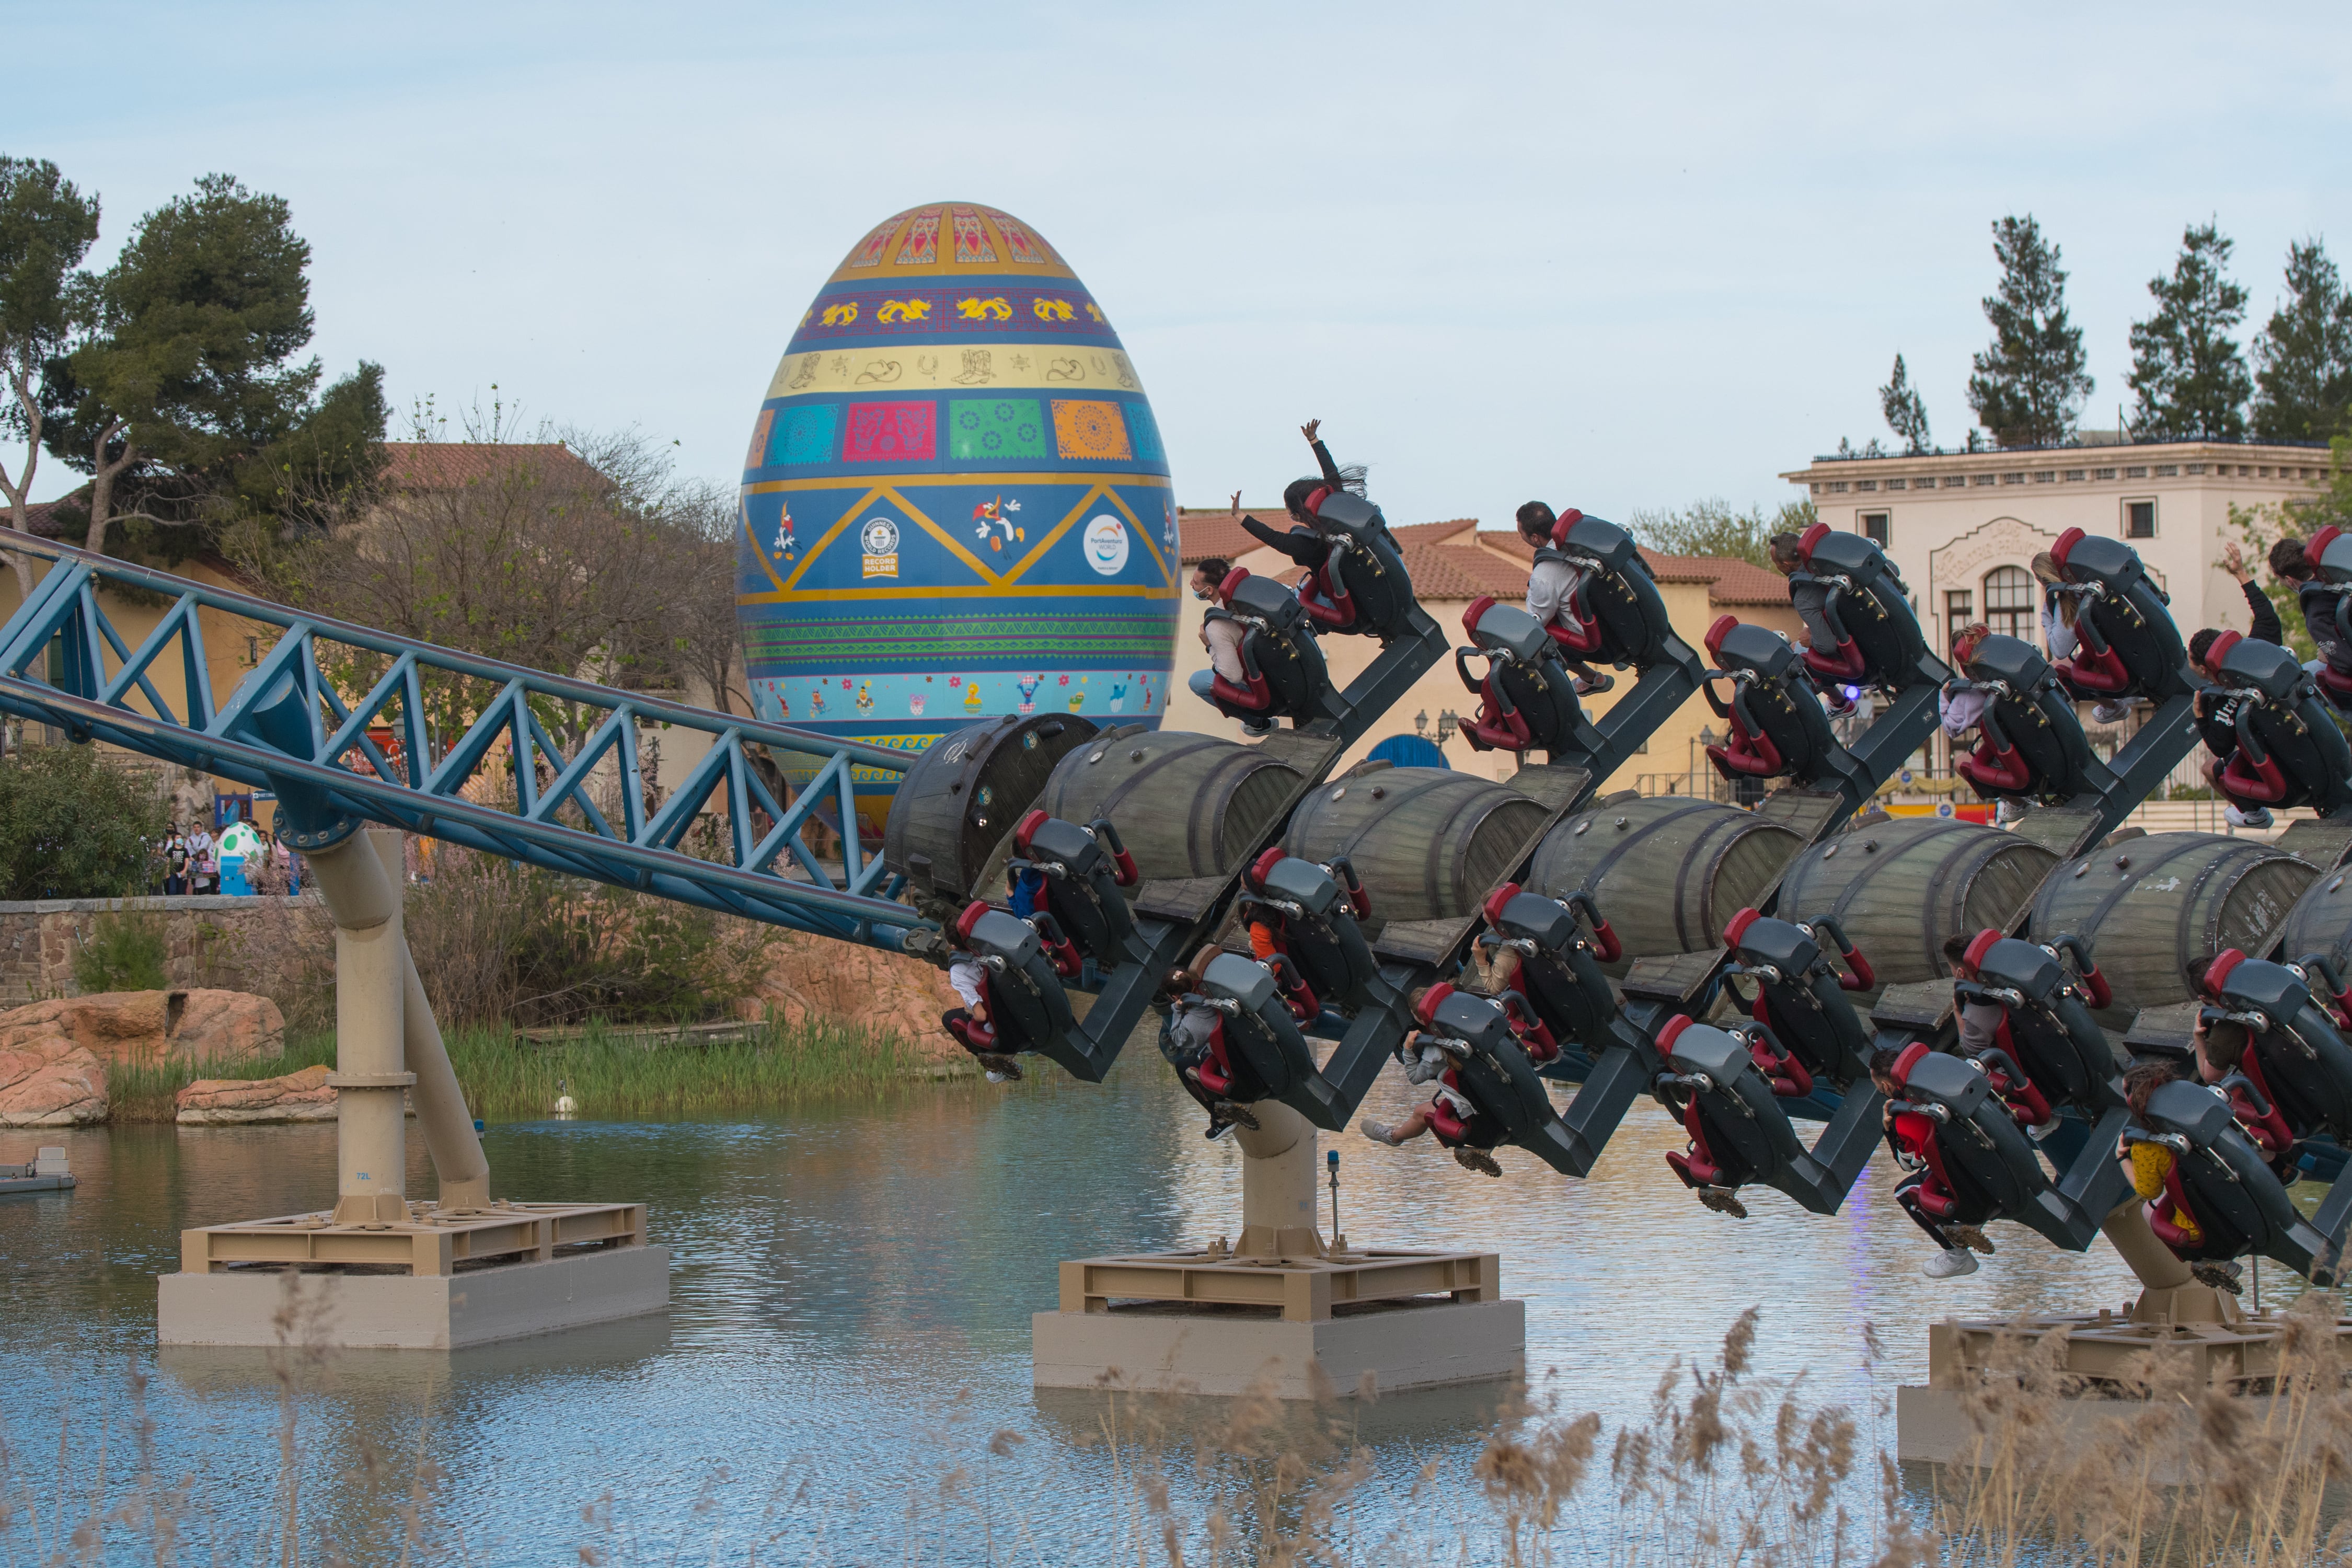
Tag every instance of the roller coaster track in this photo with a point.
(290, 727)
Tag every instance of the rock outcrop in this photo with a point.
(48, 1080)
(303, 1096)
(811, 980)
(149, 1026)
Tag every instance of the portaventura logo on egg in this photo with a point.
(1106, 544)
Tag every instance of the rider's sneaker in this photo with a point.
(2258, 819)
(1594, 684)
(1476, 1159)
(1228, 1111)
(2219, 1276)
(2110, 713)
(1002, 1068)
(1723, 1200)
(1949, 1265)
(1257, 726)
(1216, 1130)
(1970, 1237)
(1377, 1131)
(1838, 703)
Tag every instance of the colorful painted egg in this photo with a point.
(956, 504)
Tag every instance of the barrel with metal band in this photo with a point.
(963, 795)
(1667, 870)
(1427, 842)
(1185, 805)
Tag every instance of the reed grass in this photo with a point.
(609, 1073)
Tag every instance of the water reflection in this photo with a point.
(851, 1316)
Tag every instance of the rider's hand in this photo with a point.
(1310, 429)
(2233, 561)
(1236, 507)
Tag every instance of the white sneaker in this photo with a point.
(996, 1077)
(1377, 1131)
(2258, 818)
(1949, 1265)
(2110, 713)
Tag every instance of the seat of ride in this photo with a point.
(2297, 1058)
(2031, 745)
(1491, 1070)
(1313, 914)
(1777, 725)
(2290, 750)
(1027, 1008)
(1559, 976)
(1801, 1002)
(1526, 698)
(1879, 641)
(1359, 586)
(2128, 645)
(1258, 1037)
(1084, 870)
(1725, 1086)
(2047, 1029)
(1284, 675)
(1618, 614)
(2221, 1199)
(1980, 1165)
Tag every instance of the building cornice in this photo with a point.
(2139, 463)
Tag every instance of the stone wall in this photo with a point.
(236, 945)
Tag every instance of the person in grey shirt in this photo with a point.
(1811, 600)
(1553, 585)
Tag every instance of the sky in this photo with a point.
(1614, 257)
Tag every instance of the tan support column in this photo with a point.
(457, 1160)
(2169, 1293)
(1278, 1196)
(370, 1076)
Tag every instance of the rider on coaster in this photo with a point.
(1304, 544)
(2217, 715)
(1222, 636)
(2152, 1163)
(1188, 1036)
(969, 1025)
(2291, 566)
(1811, 600)
(1425, 1061)
(2221, 1055)
(1555, 588)
(1913, 1135)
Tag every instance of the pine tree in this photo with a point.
(1907, 414)
(2189, 374)
(2303, 361)
(2029, 387)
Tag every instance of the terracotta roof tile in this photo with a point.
(446, 465)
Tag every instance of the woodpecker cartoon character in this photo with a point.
(993, 521)
(1027, 685)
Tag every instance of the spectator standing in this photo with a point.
(177, 856)
(203, 870)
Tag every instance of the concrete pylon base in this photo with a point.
(1170, 1348)
(411, 1311)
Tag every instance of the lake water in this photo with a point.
(850, 1325)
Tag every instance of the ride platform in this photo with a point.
(432, 1280)
(1302, 1320)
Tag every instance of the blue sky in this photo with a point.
(1614, 257)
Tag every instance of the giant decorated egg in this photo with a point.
(956, 504)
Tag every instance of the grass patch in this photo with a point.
(609, 1075)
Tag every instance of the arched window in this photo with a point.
(2009, 602)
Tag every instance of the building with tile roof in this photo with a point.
(1454, 563)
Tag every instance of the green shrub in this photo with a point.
(73, 826)
(126, 950)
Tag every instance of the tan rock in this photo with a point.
(225, 1026)
(303, 1095)
(147, 1026)
(114, 1027)
(809, 979)
(50, 1081)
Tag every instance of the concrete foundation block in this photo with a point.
(1165, 1348)
(406, 1312)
